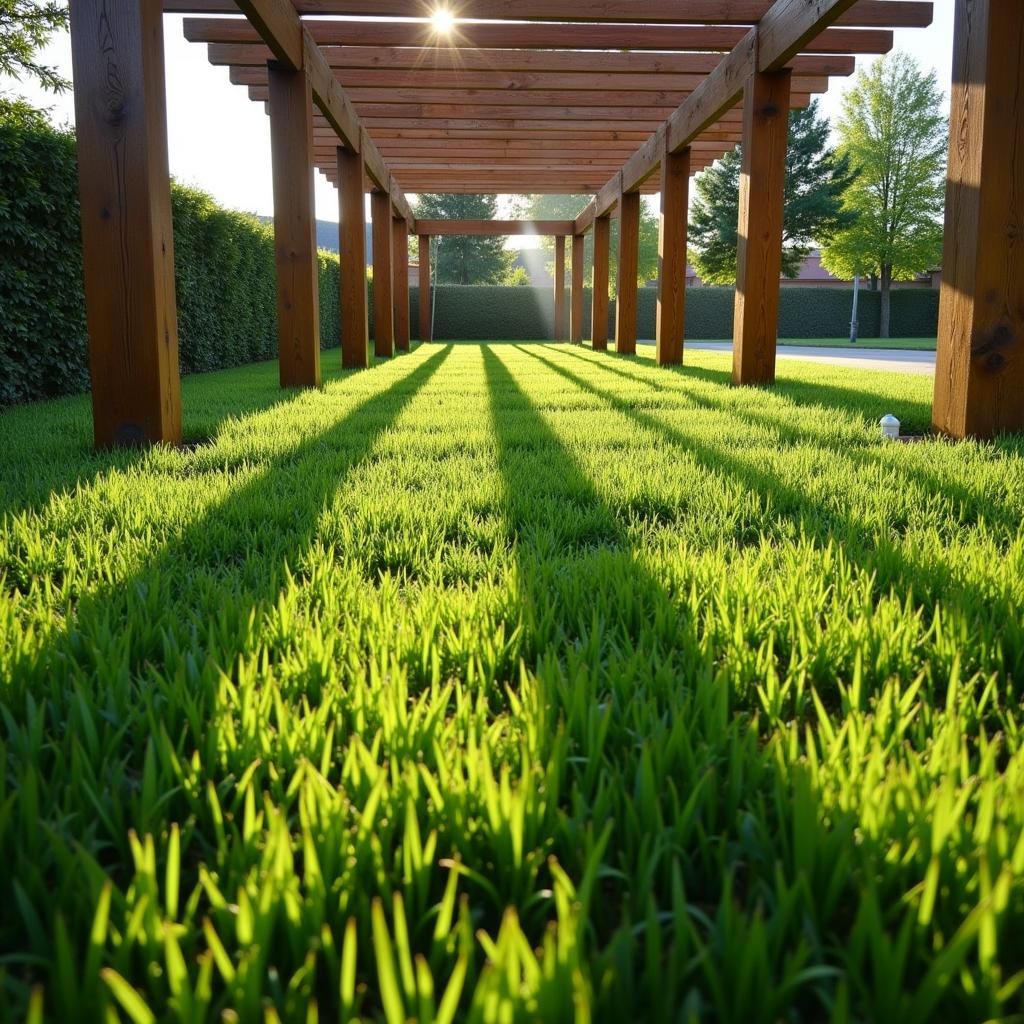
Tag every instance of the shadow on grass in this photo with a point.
(48, 446)
(863, 401)
(972, 505)
(928, 581)
(205, 590)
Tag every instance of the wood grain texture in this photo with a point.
(424, 289)
(277, 24)
(599, 300)
(383, 302)
(576, 290)
(759, 247)
(494, 227)
(626, 282)
(400, 277)
(540, 37)
(127, 239)
(671, 309)
(979, 372)
(867, 13)
(355, 332)
(449, 60)
(561, 331)
(295, 255)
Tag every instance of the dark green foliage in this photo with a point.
(42, 328)
(224, 265)
(25, 28)
(501, 313)
(466, 259)
(815, 181)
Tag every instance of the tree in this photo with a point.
(25, 27)
(568, 207)
(816, 178)
(894, 134)
(466, 259)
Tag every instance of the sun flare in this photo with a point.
(442, 20)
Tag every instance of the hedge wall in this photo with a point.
(224, 263)
(479, 312)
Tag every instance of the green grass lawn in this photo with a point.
(513, 684)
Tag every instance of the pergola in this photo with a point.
(609, 97)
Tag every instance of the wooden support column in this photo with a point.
(599, 296)
(400, 250)
(424, 288)
(576, 290)
(979, 371)
(675, 188)
(127, 242)
(298, 299)
(383, 308)
(355, 332)
(560, 332)
(629, 256)
(759, 243)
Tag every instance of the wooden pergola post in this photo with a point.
(576, 290)
(759, 244)
(400, 250)
(424, 288)
(298, 300)
(383, 308)
(355, 332)
(560, 332)
(671, 313)
(979, 370)
(599, 296)
(127, 240)
(629, 256)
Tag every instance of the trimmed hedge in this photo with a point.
(481, 313)
(224, 264)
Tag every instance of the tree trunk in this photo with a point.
(883, 318)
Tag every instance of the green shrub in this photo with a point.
(223, 260)
(479, 313)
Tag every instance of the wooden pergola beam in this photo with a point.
(279, 27)
(655, 90)
(626, 278)
(789, 24)
(868, 13)
(391, 60)
(979, 371)
(599, 295)
(576, 290)
(494, 227)
(538, 36)
(354, 309)
(424, 288)
(127, 238)
(298, 303)
(440, 113)
(383, 281)
(759, 248)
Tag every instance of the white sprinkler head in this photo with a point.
(890, 427)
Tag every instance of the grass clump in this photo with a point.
(513, 683)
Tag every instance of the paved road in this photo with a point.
(900, 360)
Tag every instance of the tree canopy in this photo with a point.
(25, 28)
(567, 207)
(893, 132)
(466, 259)
(816, 178)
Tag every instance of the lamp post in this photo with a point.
(853, 314)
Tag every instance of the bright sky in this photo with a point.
(220, 140)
